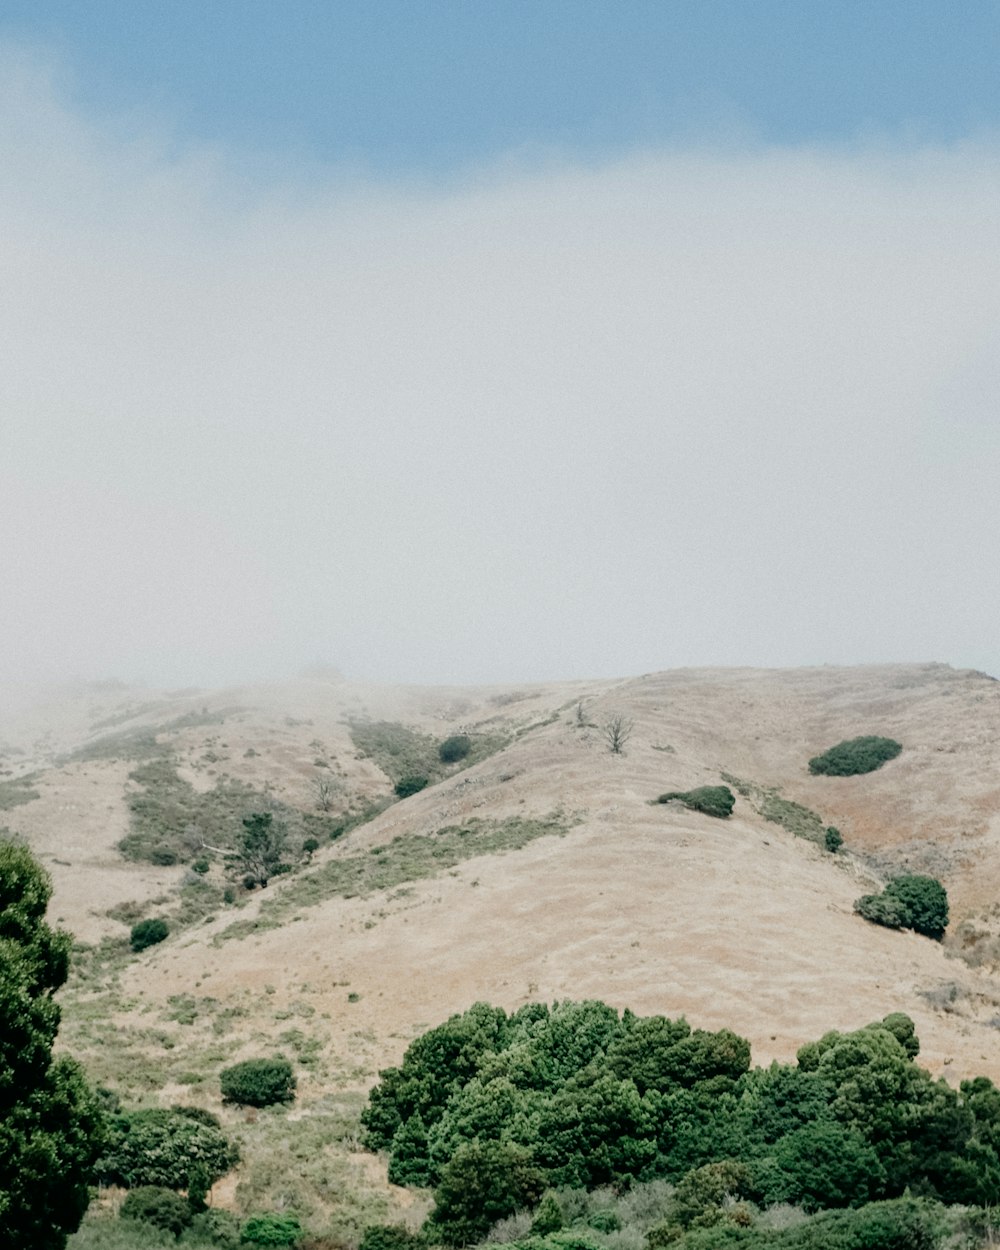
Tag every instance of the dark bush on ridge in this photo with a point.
(455, 748)
(406, 786)
(147, 933)
(854, 756)
(712, 800)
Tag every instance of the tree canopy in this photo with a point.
(50, 1126)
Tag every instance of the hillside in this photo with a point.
(554, 878)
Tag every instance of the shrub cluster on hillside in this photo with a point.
(908, 902)
(493, 1111)
(170, 1149)
(856, 755)
(712, 800)
(258, 1082)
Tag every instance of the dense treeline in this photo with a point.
(494, 1110)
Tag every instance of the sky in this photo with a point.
(490, 342)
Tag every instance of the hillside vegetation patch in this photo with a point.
(768, 801)
(403, 753)
(17, 791)
(409, 857)
(908, 902)
(712, 800)
(855, 756)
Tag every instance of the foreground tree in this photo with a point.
(50, 1126)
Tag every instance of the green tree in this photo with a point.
(259, 850)
(258, 1082)
(484, 1182)
(50, 1125)
(908, 902)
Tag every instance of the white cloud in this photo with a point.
(687, 407)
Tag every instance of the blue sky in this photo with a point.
(412, 86)
(497, 341)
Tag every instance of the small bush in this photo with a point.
(833, 839)
(909, 902)
(310, 846)
(258, 1083)
(854, 756)
(390, 1237)
(200, 866)
(157, 1206)
(162, 856)
(455, 748)
(712, 800)
(406, 786)
(271, 1230)
(147, 933)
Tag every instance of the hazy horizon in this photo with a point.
(709, 398)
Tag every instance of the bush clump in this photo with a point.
(258, 1083)
(854, 756)
(406, 786)
(455, 748)
(169, 1149)
(712, 800)
(271, 1230)
(147, 933)
(153, 1204)
(833, 839)
(909, 902)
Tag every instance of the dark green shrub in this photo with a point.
(909, 902)
(712, 800)
(455, 748)
(200, 866)
(406, 786)
(482, 1182)
(258, 1083)
(833, 839)
(158, 1206)
(390, 1237)
(164, 1148)
(854, 756)
(271, 1230)
(162, 856)
(310, 846)
(147, 933)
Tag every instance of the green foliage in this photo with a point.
(171, 1149)
(455, 748)
(801, 821)
(271, 1230)
(50, 1126)
(258, 1083)
(576, 1095)
(147, 933)
(390, 1237)
(259, 849)
(854, 756)
(157, 1206)
(410, 784)
(712, 800)
(833, 839)
(908, 902)
(482, 1183)
(169, 820)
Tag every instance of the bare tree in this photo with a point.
(617, 730)
(324, 790)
